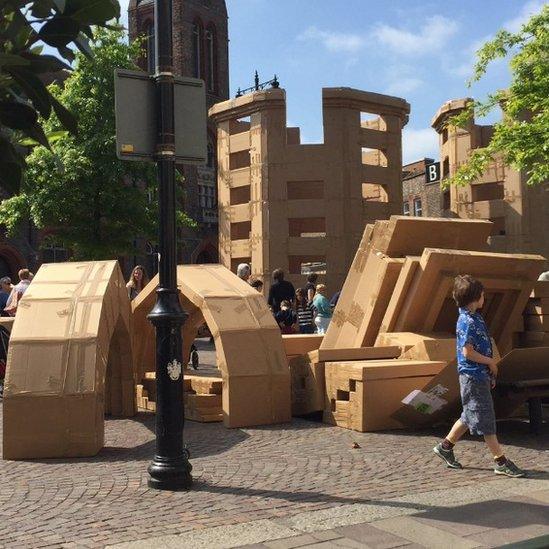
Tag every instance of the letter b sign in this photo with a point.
(432, 172)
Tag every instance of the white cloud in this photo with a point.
(403, 86)
(419, 143)
(530, 8)
(334, 41)
(432, 36)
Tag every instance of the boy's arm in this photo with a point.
(470, 354)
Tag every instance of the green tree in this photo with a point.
(24, 27)
(93, 204)
(521, 138)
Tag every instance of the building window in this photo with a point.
(150, 47)
(197, 50)
(417, 207)
(206, 196)
(211, 156)
(406, 208)
(211, 58)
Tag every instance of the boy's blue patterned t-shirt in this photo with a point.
(472, 329)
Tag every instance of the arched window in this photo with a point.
(150, 46)
(211, 155)
(197, 50)
(211, 58)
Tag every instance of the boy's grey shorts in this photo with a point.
(478, 407)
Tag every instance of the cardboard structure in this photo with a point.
(364, 395)
(249, 349)
(519, 212)
(398, 293)
(283, 204)
(69, 362)
(535, 329)
(202, 397)
(308, 379)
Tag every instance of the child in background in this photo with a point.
(323, 309)
(286, 318)
(477, 375)
(304, 312)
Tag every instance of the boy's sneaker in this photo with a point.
(509, 469)
(447, 456)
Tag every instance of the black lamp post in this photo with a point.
(170, 468)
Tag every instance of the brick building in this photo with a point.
(200, 50)
(420, 197)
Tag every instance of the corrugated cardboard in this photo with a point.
(405, 235)
(249, 349)
(358, 325)
(69, 362)
(364, 395)
(299, 344)
(307, 371)
(307, 181)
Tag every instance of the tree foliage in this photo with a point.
(521, 138)
(91, 202)
(24, 27)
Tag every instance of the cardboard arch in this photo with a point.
(249, 348)
(69, 362)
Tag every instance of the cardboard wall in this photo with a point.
(249, 348)
(306, 202)
(69, 362)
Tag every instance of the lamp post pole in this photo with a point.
(170, 468)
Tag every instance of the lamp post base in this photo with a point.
(170, 473)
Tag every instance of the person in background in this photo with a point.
(5, 290)
(257, 284)
(335, 299)
(244, 271)
(286, 318)
(304, 310)
(279, 291)
(323, 309)
(138, 280)
(17, 291)
(310, 287)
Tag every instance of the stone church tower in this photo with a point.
(200, 50)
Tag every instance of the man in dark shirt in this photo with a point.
(280, 290)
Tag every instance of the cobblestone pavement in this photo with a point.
(241, 475)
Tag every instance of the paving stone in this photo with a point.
(410, 529)
(294, 476)
(372, 536)
(290, 543)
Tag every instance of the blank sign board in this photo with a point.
(136, 117)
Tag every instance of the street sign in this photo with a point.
(135, 105)
(432, 172)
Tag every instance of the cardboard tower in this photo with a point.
(283, 204)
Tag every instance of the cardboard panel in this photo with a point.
(404, 235)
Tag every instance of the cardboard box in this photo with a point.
(307, 374)
(364, 395)
(404, 235)
(534, 339)
(299, 344)
(69, 362)
(249, 349)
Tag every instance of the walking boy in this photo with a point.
(477, 375)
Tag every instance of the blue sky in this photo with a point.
(422, 51)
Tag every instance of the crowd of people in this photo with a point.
(304, 310)
(10, 294)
